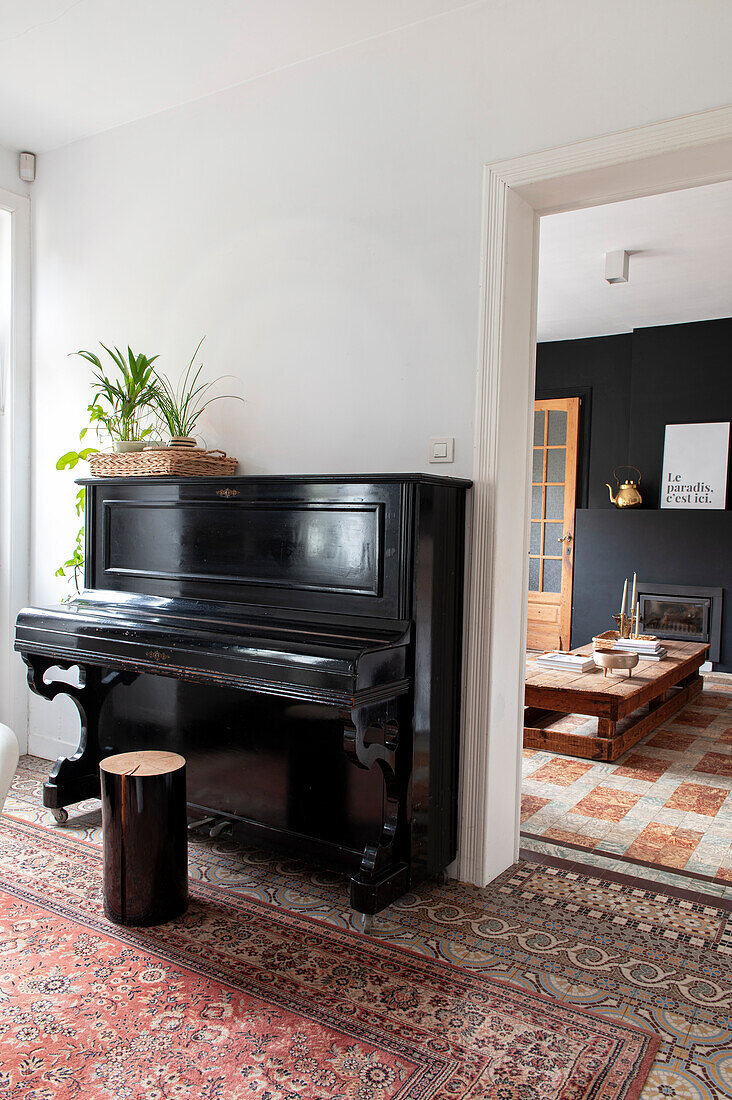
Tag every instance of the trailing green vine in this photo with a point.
(73, 568)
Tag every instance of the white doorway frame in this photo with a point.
(15, 469)
(666, 156)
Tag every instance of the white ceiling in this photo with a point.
(70, 68)
(680, 270)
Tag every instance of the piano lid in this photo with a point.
(217, 643)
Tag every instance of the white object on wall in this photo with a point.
(27, 167)
(695, 459)
(442, 448)
(616, 266)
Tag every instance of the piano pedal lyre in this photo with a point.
(223, 828)
(215, 826)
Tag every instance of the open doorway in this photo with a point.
(631, 770)
(670, 155)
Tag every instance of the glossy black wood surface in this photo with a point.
(296, 639)
(145, 844)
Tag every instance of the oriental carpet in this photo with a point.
(632, 956)
(238, 999)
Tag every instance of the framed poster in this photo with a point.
(695, 459)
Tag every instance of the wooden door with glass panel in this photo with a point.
(551, 544)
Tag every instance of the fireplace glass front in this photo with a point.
(685, 618)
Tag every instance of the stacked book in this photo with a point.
(648, 649)
(572, 662)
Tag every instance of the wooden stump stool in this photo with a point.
(145, 837)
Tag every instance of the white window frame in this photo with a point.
(15, 456)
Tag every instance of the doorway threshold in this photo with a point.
(631, 872)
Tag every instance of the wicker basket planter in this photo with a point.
(163, 462)
(606, 641)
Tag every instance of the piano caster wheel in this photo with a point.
(60, 816)
(366, 922)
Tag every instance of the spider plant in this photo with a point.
(121, 401)
(181, 405)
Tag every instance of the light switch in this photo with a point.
(442, 449)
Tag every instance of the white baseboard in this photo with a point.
(724, 679)
(48, 748)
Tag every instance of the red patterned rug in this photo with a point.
(238, 1000)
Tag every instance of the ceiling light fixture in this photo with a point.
(616, 266)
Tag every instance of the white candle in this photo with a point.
(634, 598)
(625, 596)
(637, 619)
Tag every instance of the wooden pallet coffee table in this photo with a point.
(626, 708)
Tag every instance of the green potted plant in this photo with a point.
(119, 406)
(181, 405)
(123, 399)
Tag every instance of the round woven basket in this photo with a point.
(606, 641)
(163, 462)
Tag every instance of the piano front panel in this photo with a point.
(273, 761)
(325, 548)
(329, 547)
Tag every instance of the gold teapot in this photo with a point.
(628, 494)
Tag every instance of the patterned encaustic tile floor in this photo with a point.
(661, 962)
(662, 811)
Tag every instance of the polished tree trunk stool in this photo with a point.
(145, 837)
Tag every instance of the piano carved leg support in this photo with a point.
(371, 739)
(76, 777)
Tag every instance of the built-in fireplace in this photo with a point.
(682, 612)
(683, 617)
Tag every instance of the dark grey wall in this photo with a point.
(631, 387)
(598, 371)
(661, 545)
(679, 374)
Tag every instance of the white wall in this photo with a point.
(9, 179)
(322, 227)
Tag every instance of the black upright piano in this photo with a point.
(297, 639)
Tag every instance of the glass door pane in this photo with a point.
(556, 427)
(556, 464)
(552, 579)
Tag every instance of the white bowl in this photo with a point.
(611, 660)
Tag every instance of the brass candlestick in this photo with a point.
(627, 624)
